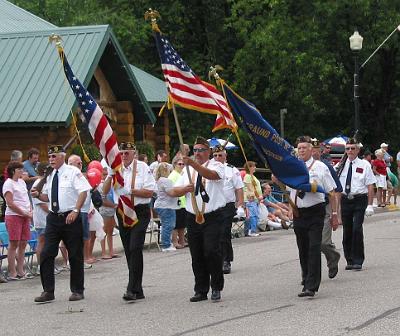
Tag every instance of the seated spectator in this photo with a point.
(277, 210)
(143, 157)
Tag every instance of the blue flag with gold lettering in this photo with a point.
(275, 151)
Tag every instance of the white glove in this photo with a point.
(240, 212)
(369, 211)
(110, 171)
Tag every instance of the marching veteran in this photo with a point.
(204, 226)
(139, 185)
(233, 191)
(308, 217)
(66, 191)
(357, 180)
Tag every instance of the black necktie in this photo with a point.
(200, 187)
(54, 193)
(348, 179)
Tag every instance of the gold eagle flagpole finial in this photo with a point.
(213, 72)
(57, 39)
(153, 15)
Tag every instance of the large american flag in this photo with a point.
(187, 89)
(102, 135)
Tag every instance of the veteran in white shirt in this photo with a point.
(357, 180)
(308, 217)
(208, 200)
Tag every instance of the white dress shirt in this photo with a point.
(71, 183)
(319, 173)
(214, 188)
(232, 181)
(362, 176)
(144, 180)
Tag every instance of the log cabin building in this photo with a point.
(38, 108)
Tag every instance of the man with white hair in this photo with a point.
(66, 191)
(357, 180)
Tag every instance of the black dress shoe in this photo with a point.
(357, 267)
(226, 268)
(76, 297)
(333, 271)
(140, 296)
(306, 292)
(129, 296)
(198, 297)
(215, 295)
(348, 267)
(44, 297)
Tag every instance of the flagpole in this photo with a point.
(152, 15)
(199, 215)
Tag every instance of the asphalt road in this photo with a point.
(260, 296)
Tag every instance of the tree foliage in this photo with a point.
(290, 54)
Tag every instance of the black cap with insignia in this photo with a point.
(127, 146)
(55, 149)
(218, 148)
(202, 141)
(315, 142)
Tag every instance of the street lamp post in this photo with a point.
(356, 45)
(282, 115)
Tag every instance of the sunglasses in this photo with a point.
(200, 150)
(180, 164)
(124, 153)
(350, 148)
(218, 155)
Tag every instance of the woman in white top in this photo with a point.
(40, 208)
(165, 205)
(18, 217)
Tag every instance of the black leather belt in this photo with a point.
(60, 214)
(351, 196)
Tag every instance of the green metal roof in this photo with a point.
(33, 88)
(153, 88)
(15, 19)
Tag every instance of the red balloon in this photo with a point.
(94, 177)
(95, 164)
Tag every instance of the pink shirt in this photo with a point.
(20, 195)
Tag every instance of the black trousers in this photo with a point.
(205, 249)
(353, 237)
(226, 236)
(133, 241)
(308, 229)
(72, 236)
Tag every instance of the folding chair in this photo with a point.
(153, 229)
(31, 250)
(237, 227)
(3, 243)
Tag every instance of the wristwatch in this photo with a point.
(76, 210)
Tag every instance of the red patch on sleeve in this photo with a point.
(359, 170)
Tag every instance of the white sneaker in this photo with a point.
(171, 248)
(56, 271)
(87, 266)
(254, 234)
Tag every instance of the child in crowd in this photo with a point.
(252, 213)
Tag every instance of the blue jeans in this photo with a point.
(253, 220)
(168, 219)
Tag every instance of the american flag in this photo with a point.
(103, 136)
(187, 89)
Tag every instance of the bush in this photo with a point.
(91, 151)
(145, 148)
